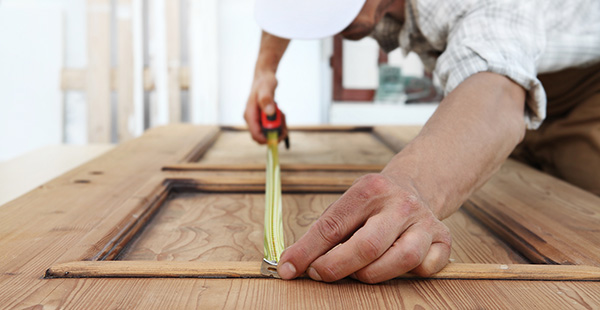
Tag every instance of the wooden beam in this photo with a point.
(98, 77)
(72, 79)
(176, 269)
(75, 79)
(530, 211)
(126, 109)
(261, 167)
(172, 15)
(317, 128)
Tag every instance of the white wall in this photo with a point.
(31, 58)
(299, 75)
(360, 71)
(360, 63)
(40, 37)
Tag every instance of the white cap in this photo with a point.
(306, 19)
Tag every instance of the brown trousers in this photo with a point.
(567, 145)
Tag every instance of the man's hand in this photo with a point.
(262, 97)
(262, 94)
(389, 223)
(386, 229)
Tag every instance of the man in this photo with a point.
(486, 55)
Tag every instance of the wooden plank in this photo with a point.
(126, 109)
(351, 148)
(64, 218)
(75, 79)
(190, 226)
(290, 183)
(548, 220)
(158, 189)
(138, 38)
(473, 242)
(283, 167)
(306, 294)
(155, 269)
(98, 73)
(70, 216)
(221, 227)
(318, 128)
(85, 184)
(173, 32)
(215, 269)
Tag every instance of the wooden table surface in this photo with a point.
(153, 199)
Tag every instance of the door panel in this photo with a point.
(351, 148)
(194, 212)
(197, 226)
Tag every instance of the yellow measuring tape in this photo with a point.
(273, 243)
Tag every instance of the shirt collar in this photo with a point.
(391, 34)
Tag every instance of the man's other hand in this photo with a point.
(379, 229)
(262, 97)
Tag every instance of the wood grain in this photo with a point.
(76, 214)
(173, 40)
(546, 219)
(98, 72)
(306, 294)
(306, 148)
(126, 109)
(42, 165)
(261, 167)
(228, 227)
(472, 242)
(219, 269)
(221, 227)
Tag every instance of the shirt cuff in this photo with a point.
(473, 59)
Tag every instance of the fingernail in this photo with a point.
(287, 271)
(270, 109)
(313, 274)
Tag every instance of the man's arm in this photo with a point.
(391, 220)
(263, 88)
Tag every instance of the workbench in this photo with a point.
(173, 220)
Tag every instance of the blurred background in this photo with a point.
(82, 72)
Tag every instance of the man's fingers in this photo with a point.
(265, 99)
(340, 220)
(406, 253)
(252, 117)
(333, 226)
(261, 98)
(436, 259)
(366, 245)
(323, 235)
(416, 251)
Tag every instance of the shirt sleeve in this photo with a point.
(504, 37)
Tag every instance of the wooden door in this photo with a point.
(187, 202)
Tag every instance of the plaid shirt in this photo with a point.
(518, 39)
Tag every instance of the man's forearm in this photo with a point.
(271, 50)
(473, 131)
